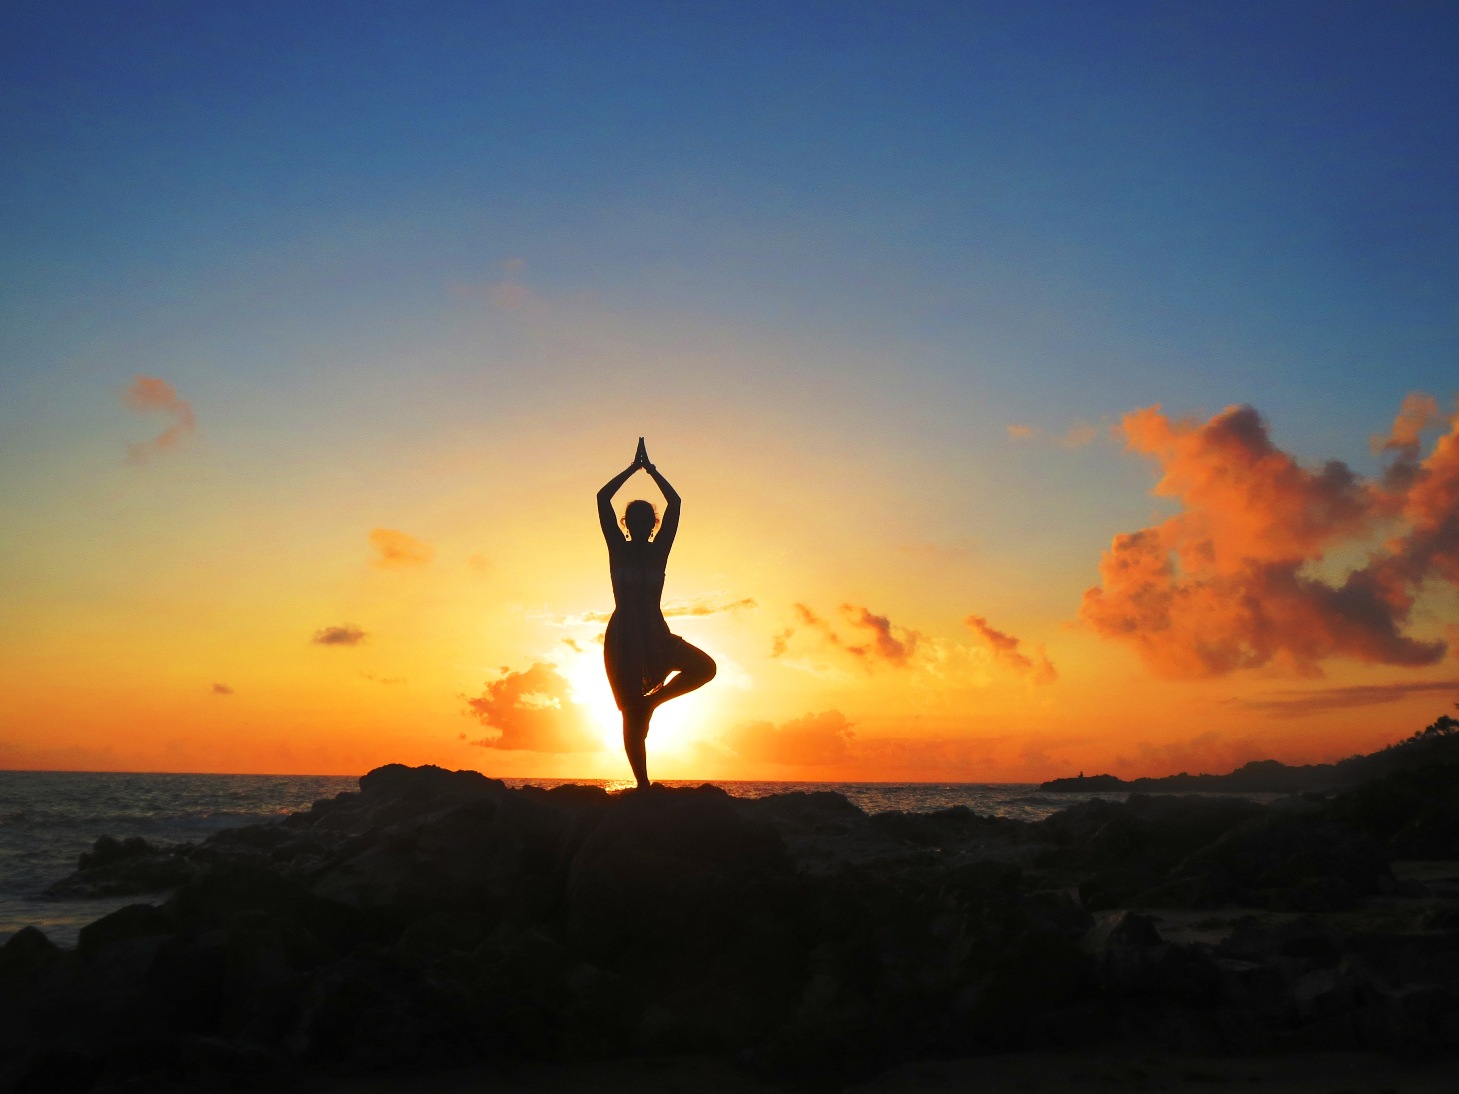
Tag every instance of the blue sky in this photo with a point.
(860, 239)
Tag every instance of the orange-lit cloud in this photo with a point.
(1417, 412)
(1038, 669)
(221, 689)
(1298, 703)
(693, 606)
(149, 393)
(396, 550)
(817, 740)
(1022, 432)
(1228, 582)
(887, 643)
(347, 634)
(533, 711)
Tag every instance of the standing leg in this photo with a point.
(635, 730)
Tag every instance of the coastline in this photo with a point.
(434, 923)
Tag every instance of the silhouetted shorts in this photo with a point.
(637, 663)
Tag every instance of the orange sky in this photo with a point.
(448, 608)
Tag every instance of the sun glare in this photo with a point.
(673, 723)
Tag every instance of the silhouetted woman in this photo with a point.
(639, 652)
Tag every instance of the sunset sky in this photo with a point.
(1051, 386)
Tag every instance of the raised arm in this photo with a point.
(669, 526)
(606, 518)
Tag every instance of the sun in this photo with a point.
(672, 723)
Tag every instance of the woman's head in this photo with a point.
(640, 519)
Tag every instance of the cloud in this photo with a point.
(1079, 435)
(533, 711)
(1229, 583)
(1416, 413)
(1298, 703)
(694, 606)
(707, 606)
(1037, 669)
(149, 393)
(396, 550)
(505, 294)
(346, 634)
(886, 643)
(813, 741)
(221, 689)
(389, 680)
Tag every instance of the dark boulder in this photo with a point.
(127, 867)
(1291, 861)
(25, 952)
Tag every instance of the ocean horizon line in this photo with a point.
(529, 779)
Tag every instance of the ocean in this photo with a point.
(48, 818)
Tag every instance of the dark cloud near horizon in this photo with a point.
(1298, 703)
(533, 711)
(346, 634)
(1227, 583)
(221, 689)
(816, 740)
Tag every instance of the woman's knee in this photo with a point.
(704, 667)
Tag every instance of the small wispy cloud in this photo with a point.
(346, 634)
(692, 606)
(1005, 648)
(221, 689)
(146, 394)
(1077, 435)
(1300, 702)
(506, 293)
(395, 550)
(885, 642)
(387, 680)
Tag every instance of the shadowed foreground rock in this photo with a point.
(438, 918)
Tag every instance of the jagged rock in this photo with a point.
(1120, 931)
(26, 951)
(1291, 861)
(437, 917)
(133, 921)
(127, 867)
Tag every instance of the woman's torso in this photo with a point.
(638, 578)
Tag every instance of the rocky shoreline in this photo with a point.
(436, 919)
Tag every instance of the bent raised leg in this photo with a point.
(696, 668)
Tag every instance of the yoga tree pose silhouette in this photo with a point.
(639, 651)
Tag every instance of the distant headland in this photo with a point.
(1275, 777)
